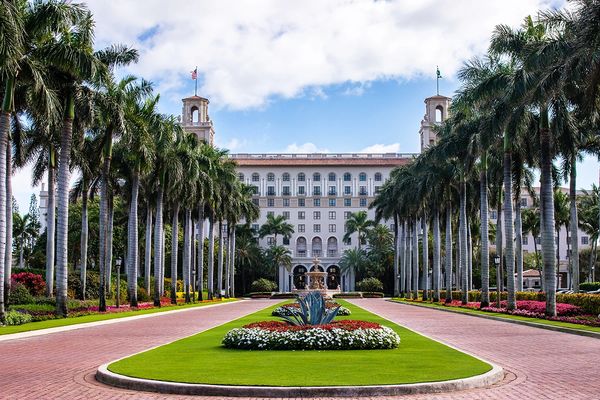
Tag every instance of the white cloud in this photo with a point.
(304, 148)
(382, 148)
(234, 144)
(249, 51)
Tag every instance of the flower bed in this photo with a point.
(287, 309)
(339, 335)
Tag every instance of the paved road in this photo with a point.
(541, 364)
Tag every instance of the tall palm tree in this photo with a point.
(359, 223)
(276, 225)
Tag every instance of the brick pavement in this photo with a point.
(540, 364)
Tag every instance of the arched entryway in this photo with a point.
(299, 278)
(333, 277)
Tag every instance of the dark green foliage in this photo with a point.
(370, 285)
(263, 285)
(372, 295)
(20, 295)
(589, 286)
(283, 296)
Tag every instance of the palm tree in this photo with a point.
(353, 261)
(279, 256)
(358, 222)
(276, 225)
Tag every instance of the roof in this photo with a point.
(194, 97)
(318, 159)
(531, 273)
(438, 96)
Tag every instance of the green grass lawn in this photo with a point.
(202, 359)
(504, 316)
(53, 323)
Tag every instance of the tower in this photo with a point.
(436, 112)
(195, 118)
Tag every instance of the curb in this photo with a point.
(495, 375)
(572, 331)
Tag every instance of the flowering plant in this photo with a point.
(288, 309)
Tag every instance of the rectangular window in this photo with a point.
(525, 240)
(316, 202)
(286, 241)
(301, 190)
(331, 214)
(377, 189)
(523, 201)
(255, 202)
(362, 191)
(493, 214)
(347, 202)
(331, 191)
(585, 240)
(270, 241)
(301, 228)
(270, 190)
(301, 202)
(255, 190)
(347, 190)
(348, 242)
(331, 228)
(301, 214)
(286, 202)
(316, 214)
(270, 202)
(347, 214)
(286, 214)
(316, 190)
(255, 227)
(286, 191)
(316, 228)
(363, 202)
(538, 240)
(332, 202)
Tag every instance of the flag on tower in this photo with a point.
(195, 74)
(438, 73)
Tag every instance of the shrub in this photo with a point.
(168, 285)
(92, 284)
(370, 285)
(589, 286)
(347, 295)
(283, 296)
(259, 295)
(16, 318)
(372, 295)
(20, 295)
(263, 285)
(33, 282)
(142, 294)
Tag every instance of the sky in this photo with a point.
(306, 76)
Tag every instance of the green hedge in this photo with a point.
(259, 295)
(589, 286)
(283, 296)
(347, 295)
(372, 295)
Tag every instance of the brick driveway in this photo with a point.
(541, 364)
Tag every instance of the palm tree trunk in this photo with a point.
(463, 240)
(200, 271)
(50, 225)
(174, 248)
(84, 238)
(148, 249)
(519, 245)
(157, 246)
(409, 258)
(62, 224)
(437, 250)
(109, 242)
(133, 250)
(469, 256)
(396, 255)
(547, 220)
(485, 234)
(574, 225)
(8, 254)
(499, 242)
(415, 257)
(211, 257)
(403, 260)
(227, 260)
(509, 226)
(232, 267)
(425, 257)
(187, 254)
(448, 249)
(220, 262)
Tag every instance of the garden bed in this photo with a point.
(287, 309)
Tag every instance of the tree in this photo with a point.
(276, 225)
(359, 223)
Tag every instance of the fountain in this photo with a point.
(316, 279)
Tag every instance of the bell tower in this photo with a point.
(195, 118)
(436, 112)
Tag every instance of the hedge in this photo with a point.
(283, 296)
(372, 295)
(259, 295)
(589, 286)
(347, 295)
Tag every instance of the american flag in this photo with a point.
(195, 74)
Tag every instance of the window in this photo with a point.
(347, 177)
(270, 213)
(585, 240)
(331, 228)
(378, 177)
(301, 228)
(317, 228)
(332, 202)
(362, 177)
(241, 177)
(286, 241)
(523, 201)
(493, 214)
(316, 214)
(270, 190)
(255, 228)
(331, 191)
(270, 241)
(270, 202)
(363, 202)
(347, 190)
(286, 214)
(377, 188)
(301, 177)
(285, 191)
(439, 114)
(347, 214)
(255, 202)
(538, 240)
(392, 227)
(331, 177)
(348, 241)
(301, 214)
(525, 240)
(301, 202)
(331, 214)
(362, 191)
(286, 202)
(316, 202)
(301, 190)
(271, 177)
(255, 177)
(255, 190)
(347, 202)
(285, 177)
(316, 190)
(316, 177)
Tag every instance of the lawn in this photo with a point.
(202, 359)
(541, 321)
(53, 323)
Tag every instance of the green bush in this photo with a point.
(16, 318)
(263, 285)
(20, 295)
(589, 286)
(283, 296)
(259, 295)
(347, 295)
(372, 294)
(142, 295)
(370, 285)
(92, 284)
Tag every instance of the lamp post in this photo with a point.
(497, 262)
(193, 285)
(118, 264)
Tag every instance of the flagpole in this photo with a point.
(437, 79)
(196, 83)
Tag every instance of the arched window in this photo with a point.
(439, 114)
(301, 247)
(332, 247)
(362, 177)
(241, 177)
(255, 177)
(331, 177)
(194, 115)
(378, 177)
(317, 247)
(271, 177)
(316, 177)
(347, 177)
(285, 177)
(301, 177)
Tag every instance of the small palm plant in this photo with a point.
(313, 311)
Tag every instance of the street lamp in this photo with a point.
(497, 262)
(194, 285)
(118, 264)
